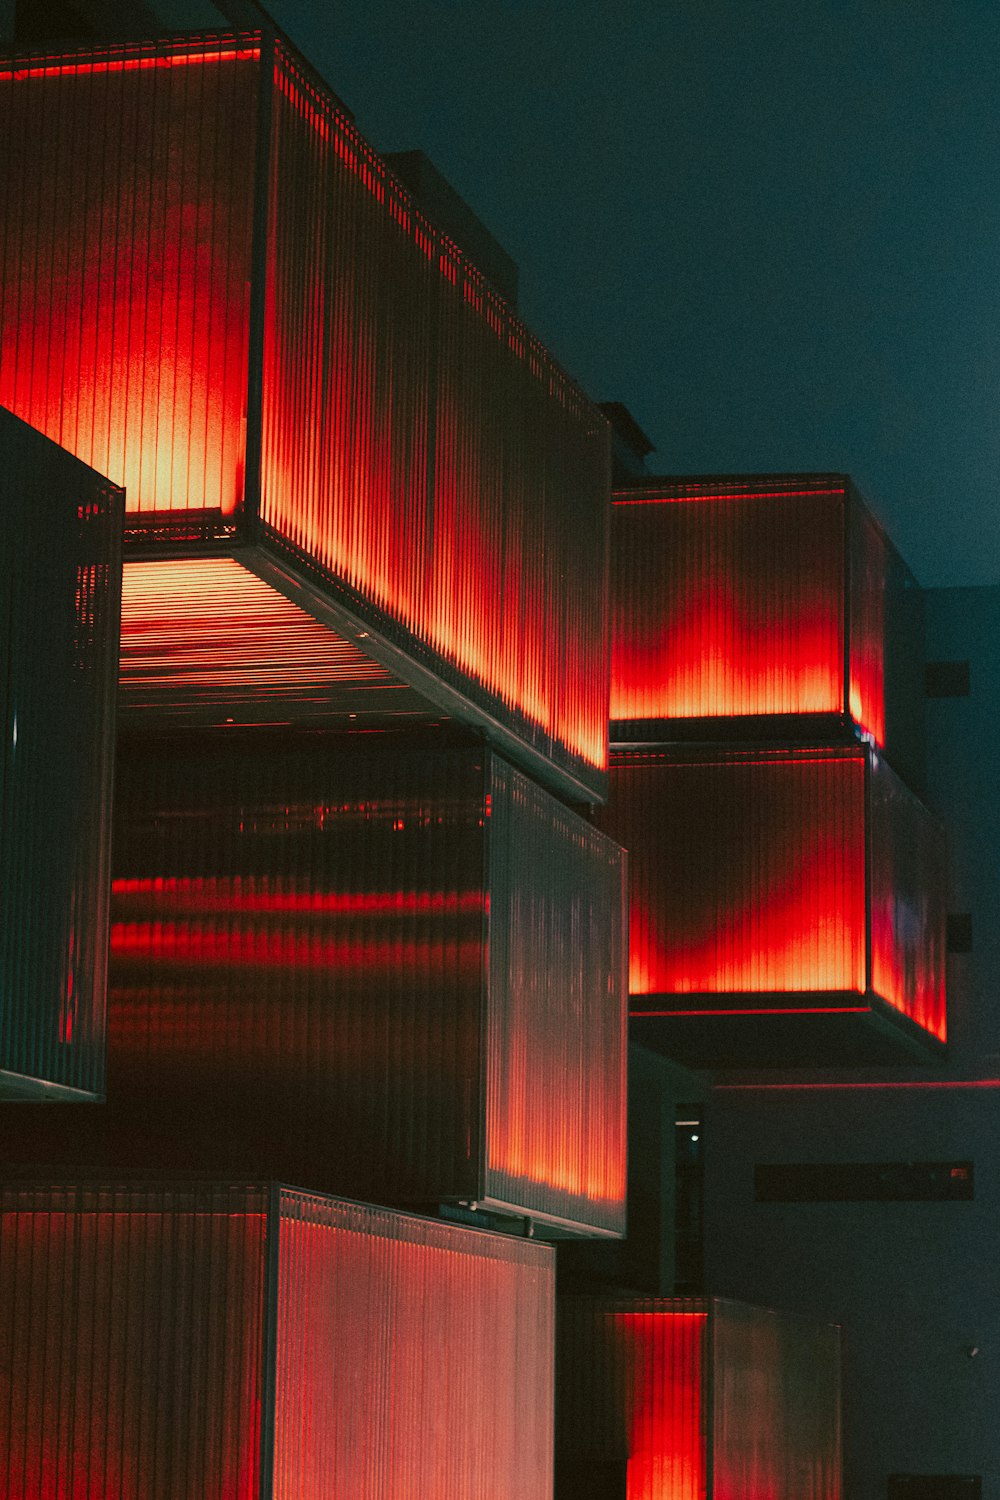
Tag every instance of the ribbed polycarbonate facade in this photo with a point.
(419, 446)
(695, 1400)
(60, 579)
(393, 973)
(126, 184)
(232, 1342)
(213, 289)
(773, 881)
(747, 608)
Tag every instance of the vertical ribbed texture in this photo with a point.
(60, 580)
(298, 956)
(126, 189)
(130, 1343)
(420, 447)
(908, 886)
(728, 601)
(557, 1044)
(776, 1405)
(868, 582)
(747, 871)
(631, 1383)
(414, 1359)
(300, 944)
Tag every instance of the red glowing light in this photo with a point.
(766, 874)
(487, 561)
(747, 877)
(729, 608)
(74, 67)
(922, 1083)
(715, 496)
(664, 1356)
(735, 603)
(124, 320)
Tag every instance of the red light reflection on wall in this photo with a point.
(725, 605)
(125, 264)
(663, 1356)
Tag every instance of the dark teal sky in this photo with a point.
(770, 227)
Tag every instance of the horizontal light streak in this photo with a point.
(715, 495)
(212, 896)
(77, 69)
(923, 1083)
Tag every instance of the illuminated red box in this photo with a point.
(212, 289)
(60, 579)
(393, 973)
(763, 607)
(695, 1400)
(237, 1342)
(786, 906)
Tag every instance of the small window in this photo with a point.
(947, 679)
(935, 1487)
(864, 1182)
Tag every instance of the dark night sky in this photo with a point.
(770, 227)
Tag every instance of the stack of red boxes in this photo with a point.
(361, 942)
(787, 885)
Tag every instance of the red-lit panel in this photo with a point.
(632, 1385)
(557, 1008)
(419, 446)
(374, 966)
(131, 1334)
(414, 1360)
(728, 603)
(207, 641)
(776, 1383)
(908, 883)
(138, 1361)
(702, 1399)
(747, 873)
(60, 577)
(126, 184)
(736, 600)
(779, 873)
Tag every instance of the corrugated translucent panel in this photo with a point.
(703, 1398)
(60, 578)
(420, 447)
(728, 600)
(747, 871)
(867, 602)
(131, 1339)
(206, 641)
(908, 886)
(126, 185)
(301, 945)
(557, 1044)
(632, 1383)
(776, 1405)
(298, 951)
(414, 1359)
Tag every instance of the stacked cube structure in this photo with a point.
(361, 940)
(787, 885)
